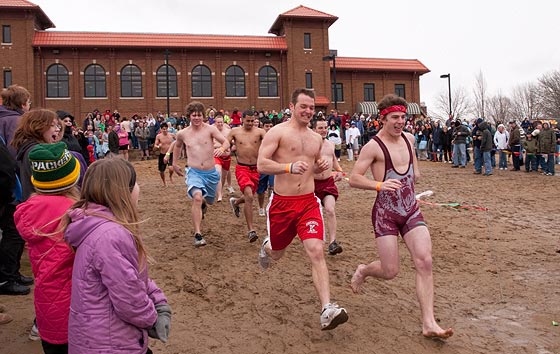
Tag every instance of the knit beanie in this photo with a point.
(53, 168)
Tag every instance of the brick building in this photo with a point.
(79, 71)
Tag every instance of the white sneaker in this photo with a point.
(264, 259)
(230, 190)
(262, 212)
(34, 333)
(332, 316)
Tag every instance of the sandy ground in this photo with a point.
(497, 274)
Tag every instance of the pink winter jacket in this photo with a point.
(51, 261)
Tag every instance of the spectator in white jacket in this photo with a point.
(501, 139)
(352, 140)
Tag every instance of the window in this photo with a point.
(307, 40)
(131, 81)
(57, 81)
(161, 79)
(6, 34)
(7, 78)
(235, 82)
(201, 81)
(268, 82)
(369, 92)
(94, 81)
(399, 90)
(308, 80)
(337, 95)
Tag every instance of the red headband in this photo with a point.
(393, 109)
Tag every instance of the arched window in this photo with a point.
(161, 79)
(94, 81)
(131, 81)
(235, 81)
(57, 81)
(268, 82)
(201, 81)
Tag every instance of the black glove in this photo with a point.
(160, 330)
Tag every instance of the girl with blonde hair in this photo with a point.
(114, 304)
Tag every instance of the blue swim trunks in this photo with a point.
(265, 181)
(204, 180)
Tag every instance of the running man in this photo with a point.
(222, 162)
(163, 143)
(292, 151)
(202, 177)
(247, 138)
(266, 182)
(325, 187)
(391, 159)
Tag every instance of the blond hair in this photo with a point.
(109, 182)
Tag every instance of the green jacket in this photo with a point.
(547, 141)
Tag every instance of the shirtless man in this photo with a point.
(391, 159)
(266, 182)
(202, 177)
(163, 143)
(247, 138)
(223, 162)
(325, 187)
(292, 151)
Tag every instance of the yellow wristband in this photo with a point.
(288, 168)
(378, 186)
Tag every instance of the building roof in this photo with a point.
(157, 40)
(380, 64)
(300, 12)
(43, 20)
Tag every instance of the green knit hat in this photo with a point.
(53, 167)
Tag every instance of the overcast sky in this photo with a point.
(511, 42)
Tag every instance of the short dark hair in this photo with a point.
(391, 100)
(304, 91)
(193, 107)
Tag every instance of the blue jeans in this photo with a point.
(477, 159)
(459, 155)
(503, 159)
(530, 162)
(550, 163)
(487, 158)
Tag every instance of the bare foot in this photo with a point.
(439, 333)
(358, 279)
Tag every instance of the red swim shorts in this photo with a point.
(225, 162)
(324, 187)
(247, 176)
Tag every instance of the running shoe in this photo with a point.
(199, 241)
(235, 208)
(334, 248)
(262, 212)
(252, 236)
(34, 333)
(332, 316)
(230, 189)
(264, 259)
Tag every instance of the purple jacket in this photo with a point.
(8, 124)
(113, 301)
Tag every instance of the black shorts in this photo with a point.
(162, 165)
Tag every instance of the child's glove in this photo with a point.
(160, 330)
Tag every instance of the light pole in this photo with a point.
(167, 78)
(332, 56)
(448, 77)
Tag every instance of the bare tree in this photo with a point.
(549, 89)
(480, 96)
(526, 102)
(460, 104)
(498, 108)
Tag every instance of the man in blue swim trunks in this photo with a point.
(390, 158)
(202, 178)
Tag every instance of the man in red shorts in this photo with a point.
(390, 158)
(325, 187)
(222, 162)
(247, 139)
(292, 152)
